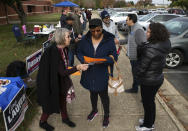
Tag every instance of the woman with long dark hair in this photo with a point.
(151, 61)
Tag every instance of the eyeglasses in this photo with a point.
(68, 36)
(93, 31)
(107, 17)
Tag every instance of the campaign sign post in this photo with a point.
(32, 61)
(14, 113)
(45, 45)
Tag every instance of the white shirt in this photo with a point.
(111, 28)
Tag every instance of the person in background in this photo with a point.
(151, 61)
(53, 79)
(63, 18)
(136, 36)
(77, 25)
(74, 40)
(84, 19)
(109, 25)
(97, 43)
(88, 14)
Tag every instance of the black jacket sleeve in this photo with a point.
(65, 72)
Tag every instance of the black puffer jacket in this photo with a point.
(151, 61)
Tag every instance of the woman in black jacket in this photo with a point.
(151, 61)
(53, 79)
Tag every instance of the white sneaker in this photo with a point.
(138, 128)
(141, 122)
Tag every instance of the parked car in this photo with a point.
(152, 10)
(143, 12)
(176, 11)
(121, 25)
(120, 16)
(178, 29)
(153, 17)
(133, 10)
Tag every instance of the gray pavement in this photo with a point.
(125, 109)
(181, 83)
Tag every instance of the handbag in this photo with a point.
(70, 94)
(115, 84)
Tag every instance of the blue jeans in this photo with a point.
(135, 81)
(71, 57)
(84, 25)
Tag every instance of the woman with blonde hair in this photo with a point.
(53, 79)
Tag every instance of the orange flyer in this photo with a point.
(89, 59)
(76, 73)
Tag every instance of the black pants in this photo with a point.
(148, 94)
(104, 99)
(135, 81)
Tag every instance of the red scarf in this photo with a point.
(64, 56)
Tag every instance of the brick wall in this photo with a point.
(31, 7)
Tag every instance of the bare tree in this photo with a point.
(18, 8)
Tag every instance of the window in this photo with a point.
(44, 8)
(169, 17)
(157, 18)
(186, 35)
(176, 27)
(119, 15)
(125, 14)
(29, 9)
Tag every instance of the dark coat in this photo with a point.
(63, 20)
(77, 25)
(96, 77)
(151, 61)
(52, 79)
(73, 35)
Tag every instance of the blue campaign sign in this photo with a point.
(32, 61)
(9, 86)
(14, 113)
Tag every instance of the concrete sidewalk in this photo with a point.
(125, 109)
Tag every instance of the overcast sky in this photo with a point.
(154, 1)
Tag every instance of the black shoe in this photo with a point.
(131, 91)
(92, 115)
(69, 123)
(46, 126)
(105, 122)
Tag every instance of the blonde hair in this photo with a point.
(59, 36)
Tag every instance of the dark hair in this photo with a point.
(132, 17)
(158, 33)
(62, 11)
(69, 18)
(17, 68)
(93, 23)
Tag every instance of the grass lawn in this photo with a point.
(54, 17)
(10, 50)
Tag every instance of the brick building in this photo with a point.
(31, 7)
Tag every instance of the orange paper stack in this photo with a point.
(76, 73)
(89, 59)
